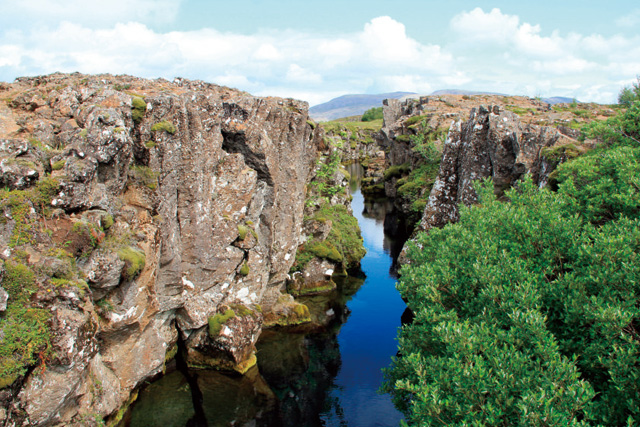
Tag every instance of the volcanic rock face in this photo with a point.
(193, 195)
(491, 144)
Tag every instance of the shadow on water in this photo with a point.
(324, 375)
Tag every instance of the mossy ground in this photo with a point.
(25, 331)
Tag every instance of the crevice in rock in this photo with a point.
(236, 142)
(199, 419)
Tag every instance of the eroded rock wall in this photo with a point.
(492, 143)
(204, 183)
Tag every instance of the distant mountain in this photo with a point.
(354, 105)
(464, 92)
(350, 105)
(552, 100)
(559, 100)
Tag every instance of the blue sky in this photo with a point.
(315, 50)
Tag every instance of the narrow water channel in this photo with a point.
(322, 377)
(368, 339)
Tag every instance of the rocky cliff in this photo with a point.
(171, 208)
(439, 145)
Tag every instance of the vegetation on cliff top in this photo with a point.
(528, 312)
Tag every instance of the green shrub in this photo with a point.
(604, 183)
(134, 261)
(216, 322)
(526, 312)
(165, 126)
(372, 114)
(629, 95)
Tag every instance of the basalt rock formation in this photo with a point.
(480, 136)
(171, 201)
(494, 144)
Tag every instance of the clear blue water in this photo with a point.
(368, 339)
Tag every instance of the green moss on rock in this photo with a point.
(217, 321)
(134, 260)
(165, 126)
(138, 109)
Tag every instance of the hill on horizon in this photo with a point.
(357, 104)
(351, 105)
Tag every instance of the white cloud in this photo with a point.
(632, 19)
(297, 74)
(486, 51)
(480, 26)
(267, 52)
(91, 13)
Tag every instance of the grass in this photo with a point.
(56, 166)
(19, 203)
(396, 171)
(347, 124)
(519, 110)
(242, 231)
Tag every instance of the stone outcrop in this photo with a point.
(492, 143)
(177, 197)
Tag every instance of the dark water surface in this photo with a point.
(328, 376)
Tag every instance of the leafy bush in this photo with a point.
(372, 114)
(629, 95)
(604, 183)
(527, 312)
(621, 129)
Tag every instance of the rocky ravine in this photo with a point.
(177, 201)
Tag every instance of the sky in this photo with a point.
(317, 50)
